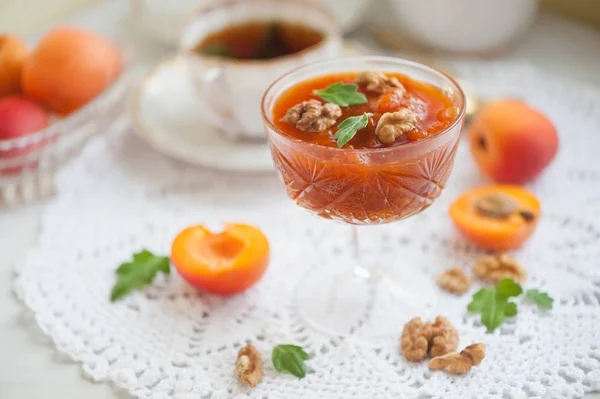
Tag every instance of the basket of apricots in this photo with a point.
(512, 144)
(53, 97)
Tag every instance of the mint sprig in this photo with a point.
(290, 358)
(508, 288)
(348, 128)
(138, 273)
(217, 49)
(494, 305)
(541, 299)
(342, 94)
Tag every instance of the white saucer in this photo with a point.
(165, 114)
(164, 111)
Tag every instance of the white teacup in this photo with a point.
(230, 90)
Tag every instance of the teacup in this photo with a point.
(230, 90)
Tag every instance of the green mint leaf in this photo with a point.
(493, 303)
(543, 300)
(290, 358)
(508, 288)
(137, 273)
(277, 362)
(480, 299)
(217, 49)
(271, 44)
(121, 288)
(510, 309)
(348, 128)
(125, 268)
(342, 94)
(492, 315)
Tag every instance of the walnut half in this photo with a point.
(377, 82)
(313, 115)
(419, 338)
(454, 280)
(249, 365)
(459, 363)
(444, 337)
(497, 267)
(392, 125)
(415, 339)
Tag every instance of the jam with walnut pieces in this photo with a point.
(431, 109)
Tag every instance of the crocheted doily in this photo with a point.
(169, 341)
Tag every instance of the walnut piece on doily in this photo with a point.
(379, 83)
(419, 338)
(249, 365)
(392, 125)
(415, 339)
(444, 337)
(313, 115)
(497, 267)
(454, 280)
(459, 363)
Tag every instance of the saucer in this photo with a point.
(164, 110)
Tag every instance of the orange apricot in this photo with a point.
(224, 263)
(511, 142)
(69, 68)
(13, 52)
(389, 102)
(498, 217)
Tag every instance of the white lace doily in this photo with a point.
(168, 341)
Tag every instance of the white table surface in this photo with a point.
(31, 369)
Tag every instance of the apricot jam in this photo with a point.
(433, 108)
(365, 181)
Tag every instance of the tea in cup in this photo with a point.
(234, 49)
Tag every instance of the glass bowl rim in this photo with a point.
(63, 125)
(368, 58)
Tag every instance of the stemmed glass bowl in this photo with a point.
(361, 187)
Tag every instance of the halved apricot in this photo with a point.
(223, 263)
(499, 217)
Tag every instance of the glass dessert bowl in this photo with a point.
(338, 161)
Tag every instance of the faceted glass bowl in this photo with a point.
(366, 186)
(28, 164)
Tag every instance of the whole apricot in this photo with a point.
(12, 55)
(19, 117)
(69, 68)
(511, 142)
